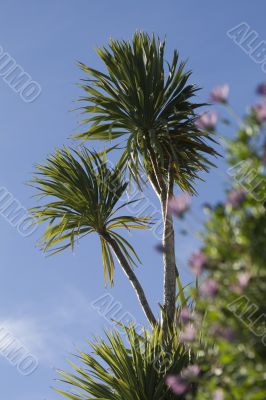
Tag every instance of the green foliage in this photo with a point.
(130, 366)
(82, 196)
(149, 102)
(232, 351)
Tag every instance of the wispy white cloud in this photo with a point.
(52, 335)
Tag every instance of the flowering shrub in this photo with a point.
(227, 327)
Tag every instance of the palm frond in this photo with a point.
(149, 103)
(80, 194)
(132, 371)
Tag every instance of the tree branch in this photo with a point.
(132, 277)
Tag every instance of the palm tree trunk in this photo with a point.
(170, 269)
(164, 190)
(169, 259)
(133, 279)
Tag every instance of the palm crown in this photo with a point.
(134, 372)
(85, 193)
(138, 98)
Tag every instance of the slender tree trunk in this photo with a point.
(169, 259)
(164, 189)
(133, 279)
(170, 269)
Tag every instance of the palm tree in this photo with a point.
(82, 198)
(133, 372)
(151, 108)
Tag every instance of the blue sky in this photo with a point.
(46, 302)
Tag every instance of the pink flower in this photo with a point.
(192, 371)
(218, 395)
(179, 205)
(188, 335)
(236, 197)
(220, 94)
(260, 112)
(176, 384)
(185, 315)
(223, 332)
(207, 120)
(243, 279)
(261, 89)
(197, 262)
(209, 288)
